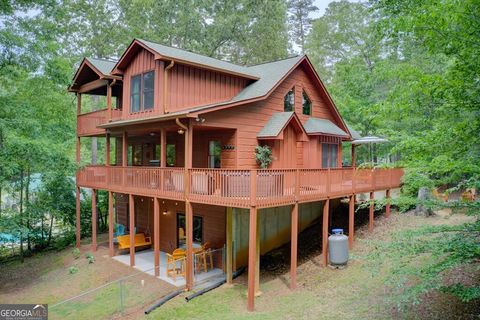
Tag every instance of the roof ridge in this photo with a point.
(277, 60)
(102, 59)
(189, 51)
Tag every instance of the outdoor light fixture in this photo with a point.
(165, 212)
(152, 134)
(181, 131)
(201, 120)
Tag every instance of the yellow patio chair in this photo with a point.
(178, 255)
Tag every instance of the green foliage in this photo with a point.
(76, 253)
(90, 257)
(421, 258)
(263, 156)
(73, 270)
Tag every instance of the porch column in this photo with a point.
(78, 151)
(189, 239)
(107, 150)
(370, 215)
(189, 145)
(109, 102)
(156, 236)
(131, 204)
(163, 147)
(110, 223)
(94, 220)
(353, 156)
(77, 205)
(351, 220)
(326, 210)
(252, 256)
(293, 250)
(79, 103)
(124, 149)
(387, 206)
(229, 247)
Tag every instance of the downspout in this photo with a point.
(165, 86)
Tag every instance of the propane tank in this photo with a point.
(338, 248)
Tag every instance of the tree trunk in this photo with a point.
(424, 194)
(50, 231)
(27, 206)
(21, 215)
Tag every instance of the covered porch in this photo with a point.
(145, 262)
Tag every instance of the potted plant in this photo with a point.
(268, 183)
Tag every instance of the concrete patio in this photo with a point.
(144, 262)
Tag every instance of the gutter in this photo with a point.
(165, 85)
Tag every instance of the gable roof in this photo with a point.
(277, 123)
(323, 126)
(104, 66)
(162, 52)
(354, 133)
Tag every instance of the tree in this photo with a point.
(299, 21)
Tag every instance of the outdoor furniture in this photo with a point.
(140, 241)
(173, 270)
(119, 231)
(201, 255)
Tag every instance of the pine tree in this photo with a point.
(300, 22)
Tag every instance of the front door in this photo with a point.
(214, 154)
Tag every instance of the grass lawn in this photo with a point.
(352, 293)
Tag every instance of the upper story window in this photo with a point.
(141, 92)
(306, 104)
(289, 101)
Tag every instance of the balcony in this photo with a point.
(239, 188)
(87, 122)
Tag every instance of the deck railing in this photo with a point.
(239, 188)
(87, 122)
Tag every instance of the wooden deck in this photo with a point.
(239, 188)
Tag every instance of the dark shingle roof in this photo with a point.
(317, 125)
(104, 66)
(275, 124)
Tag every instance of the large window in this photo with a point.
(141, 92)
(289, 101)
(329, 155)
(306, 104)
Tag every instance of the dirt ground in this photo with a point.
(323, 293)
(45, 278)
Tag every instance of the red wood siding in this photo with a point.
(189, 86)
(249, 119)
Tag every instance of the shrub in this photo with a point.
(263, 156)
(72, 270)
(90, 258)
(76, 253)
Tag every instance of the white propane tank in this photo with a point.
(338, 248)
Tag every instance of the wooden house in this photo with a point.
(185, 128)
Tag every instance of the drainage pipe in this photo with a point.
(214, 285)
(162, 301)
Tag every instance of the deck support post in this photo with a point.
(351, 221)
(258, 292)
(94, 220)
(387, 206)
(110, 223)
(109, 102)
(326, 210)
(131, 205)
(107, 150)
(252, 256)
(189, 239)
(77, 224)
(156, 236)
(353, 156)
(371, 211)
(229, 245)
(293, 250)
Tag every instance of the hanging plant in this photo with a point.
(263, 156)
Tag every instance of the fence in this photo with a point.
(133, 294)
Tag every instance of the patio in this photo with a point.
(144, 261)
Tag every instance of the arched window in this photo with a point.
(306, 104)
(289, 101)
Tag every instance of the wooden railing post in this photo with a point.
(253, 187)
(329, 179)
(297, 185)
